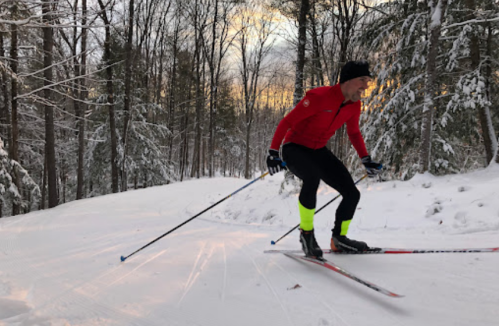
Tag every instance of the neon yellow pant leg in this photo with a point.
(344, 227)
(306, 217)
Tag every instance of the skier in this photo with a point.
(306, 130)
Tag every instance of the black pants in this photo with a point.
(314, 165)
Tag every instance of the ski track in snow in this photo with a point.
(122, 277)
(269, 284)
(316, 295)
(225, 272)
(82, 296)
(61, 266)
(201, 260)
(90, 309)
(330, 280)
(338, 284)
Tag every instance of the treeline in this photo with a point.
(103, 96)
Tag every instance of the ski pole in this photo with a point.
(320, 209)
(183, 223)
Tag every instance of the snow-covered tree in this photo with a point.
(436, 15)
(9, 192)
(398, 38)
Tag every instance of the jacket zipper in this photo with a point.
(332, 121)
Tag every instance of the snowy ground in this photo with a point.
(62, 266)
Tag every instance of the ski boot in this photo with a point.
(342, 243)
(309, 244)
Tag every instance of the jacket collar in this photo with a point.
(338, 95)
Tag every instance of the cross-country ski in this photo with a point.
(389, 251)
(331, 266)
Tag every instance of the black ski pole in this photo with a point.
(183, 223)
(320, 209)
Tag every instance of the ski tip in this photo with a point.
(122, 258)
(272, 242)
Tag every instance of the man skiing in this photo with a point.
(305, 131)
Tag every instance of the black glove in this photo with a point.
(274, 162)
(372, 168)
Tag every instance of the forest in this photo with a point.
(106, 96)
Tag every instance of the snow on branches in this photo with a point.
(8, 171)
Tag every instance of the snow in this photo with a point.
(62, 266)
(436, 14)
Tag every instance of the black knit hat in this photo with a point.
(354, 69)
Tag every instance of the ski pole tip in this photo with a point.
(272, 242)
(123, 258)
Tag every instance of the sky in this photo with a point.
(62, 266)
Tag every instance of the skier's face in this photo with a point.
(354, 88)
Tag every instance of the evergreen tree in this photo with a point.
(9, 192)
(398, 36)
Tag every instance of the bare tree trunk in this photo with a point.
(215, 57)
(14, 144)
(184, 150)
(302, 42)
(162, 30)
(128, 91)
(173, 82)
(148, 70)
(5, 104)
(250, 70)
(488, 133)
(203, 142)
(348, 15)
(83, 92)
(437, 11)
(82, 106)
(110, 100)
(76, 103)
(248, 104)
(488, 78)
(63, 181)
(196, 158)
(196, 155)
(44, 184)
(484, 117)
(213, 92)
(48, 45)
(319, 81)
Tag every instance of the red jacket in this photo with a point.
(317, 117)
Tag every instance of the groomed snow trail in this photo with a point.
(62, 266)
